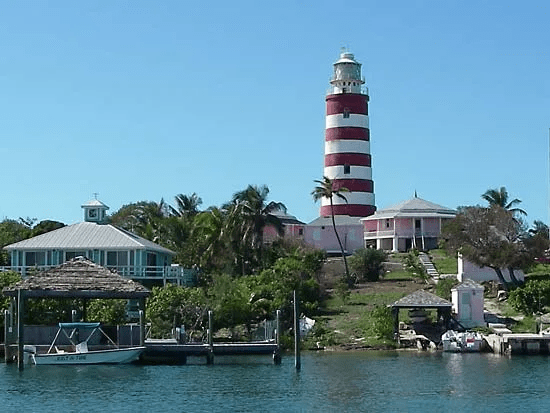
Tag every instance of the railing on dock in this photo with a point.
(176, 350)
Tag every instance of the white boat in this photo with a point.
(81, 353)
(468, 341)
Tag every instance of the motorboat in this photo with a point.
(81, 354)
(462, 342)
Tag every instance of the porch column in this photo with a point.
(395, 244)
(422, 232)
(395, 314)
(413, 230)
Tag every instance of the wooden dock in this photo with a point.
(170, 352)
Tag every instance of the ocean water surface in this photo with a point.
(402, 381)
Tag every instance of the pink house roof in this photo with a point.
(413, 208)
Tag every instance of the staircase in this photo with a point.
(428, 265)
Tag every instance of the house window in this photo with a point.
(35, 258)
(347, 169)
(300, 231)
(117, 258)
(417, 224)
(69, 255)
(387, 223)
(346, 113)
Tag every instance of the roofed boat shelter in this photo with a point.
(77, 278)
(421, 299)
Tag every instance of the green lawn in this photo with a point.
(444, 263)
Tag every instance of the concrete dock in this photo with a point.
(516, 343)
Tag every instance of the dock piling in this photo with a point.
(297, 361)
(210, 354)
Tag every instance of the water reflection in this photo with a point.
(349, 382)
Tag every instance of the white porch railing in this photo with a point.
(400, 234)
(174, 273)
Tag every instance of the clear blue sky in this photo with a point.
(143, 100)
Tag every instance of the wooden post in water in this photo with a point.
(142, 322)
(210, 354)
(297, 361)
(210, 338)
(20, 329)
(7, 336)
(277, 352)
(395, 316)
(141, 328)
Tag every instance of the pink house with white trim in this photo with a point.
(320, 234)
(293, 228)
(415, 223)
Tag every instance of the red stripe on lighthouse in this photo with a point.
(350, 102)
(335, 159)
(347, 132)
(354, 185)
(353, 210)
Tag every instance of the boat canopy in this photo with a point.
(79, 325)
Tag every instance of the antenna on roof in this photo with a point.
(95, 194)
(415, 194)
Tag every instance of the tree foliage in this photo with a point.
(45, 226)
(532, 298)
(489, 237)
(11, 231)
(444, 286)
(414, 266)
(368, 263)
(500, 198)
(7, 279)
(172, 306)
(111, 311)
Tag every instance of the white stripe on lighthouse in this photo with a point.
(347, 146)
(356, 172)
(354, 120)
(359, 198)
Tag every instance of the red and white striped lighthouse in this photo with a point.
(347, 141)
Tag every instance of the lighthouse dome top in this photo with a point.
(346, 57)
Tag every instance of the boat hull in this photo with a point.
(111, 356)
(462, 342)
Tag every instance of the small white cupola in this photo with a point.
(95, 211)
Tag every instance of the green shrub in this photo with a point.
(531, 298)
(444, 286)
(382, 322)
(414, 266)
(368, 264)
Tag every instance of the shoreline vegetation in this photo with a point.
(357, 322)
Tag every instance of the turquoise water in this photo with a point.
(354, 382)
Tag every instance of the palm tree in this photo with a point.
(248, 214)
(252, 203)
(209, 233)
(326, 189)
(186, 205)
(499, 197)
